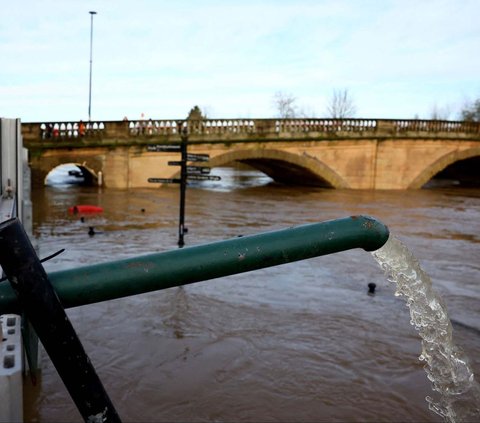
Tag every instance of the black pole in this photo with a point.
(183, 183)
(43, 309)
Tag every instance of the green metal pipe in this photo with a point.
(116, 279)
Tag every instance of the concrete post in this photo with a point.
(11, 387)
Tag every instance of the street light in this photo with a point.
(90, 84)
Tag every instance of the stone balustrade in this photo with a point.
(45, 131)
(437, 126)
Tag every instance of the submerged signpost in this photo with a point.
(187, 172)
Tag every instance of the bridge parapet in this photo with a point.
(127, 129)
(325, 125)
(437, 126)
(45, 131)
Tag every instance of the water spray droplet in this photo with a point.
(446, 365)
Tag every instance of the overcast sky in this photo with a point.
(398, 59)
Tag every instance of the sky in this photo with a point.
(398, 59)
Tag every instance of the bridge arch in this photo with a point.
(89, 176)
(301, 169)
(42, 164)
(440, 164)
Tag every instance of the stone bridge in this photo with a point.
(337, 153)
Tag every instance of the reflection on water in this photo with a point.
(236, 178)
(298, 342)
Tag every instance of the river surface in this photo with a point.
(294, 343)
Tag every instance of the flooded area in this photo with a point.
(294, 343)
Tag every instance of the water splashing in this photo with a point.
(446, 365)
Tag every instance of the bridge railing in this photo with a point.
(325, 125)
(205, 126)
(62, 130)
(51, 131)
(436, 126)
(250, 126)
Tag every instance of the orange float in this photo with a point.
(84, 209)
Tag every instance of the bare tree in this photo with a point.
(438, 113)
(341, 105)
(285, 105)
(471, 111)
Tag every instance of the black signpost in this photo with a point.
(183, 188)
(187, 173)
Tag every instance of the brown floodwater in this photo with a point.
(293, 343)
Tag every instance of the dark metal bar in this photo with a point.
(101, 282)
(43, 309)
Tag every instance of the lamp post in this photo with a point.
(91, 48)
